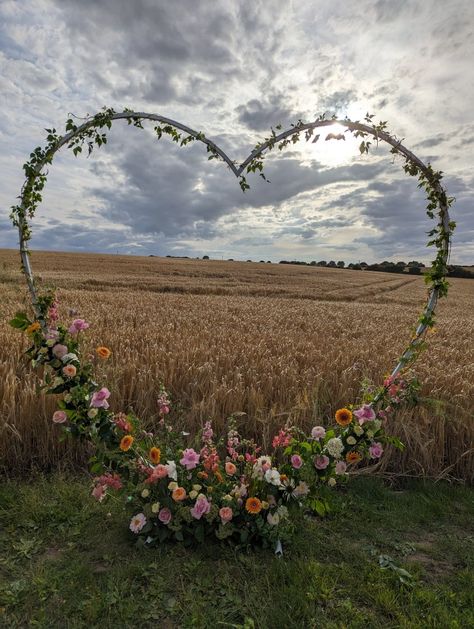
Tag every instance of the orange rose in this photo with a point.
(179, 494)
(126, 443)
(103, 352)
(230, 468)
(343, 416)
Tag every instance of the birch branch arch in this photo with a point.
(91, 133)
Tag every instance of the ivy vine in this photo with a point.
(92, 132)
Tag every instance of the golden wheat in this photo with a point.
(271, 341)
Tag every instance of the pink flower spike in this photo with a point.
(190, 459)
(365, 414)
(99, 398)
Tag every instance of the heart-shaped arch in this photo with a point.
(90, 132)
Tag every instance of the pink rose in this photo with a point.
(365, 414)
(201, 507)
(99, 398)
(318, 432)
(165, 516)
(59, 350)
(321, 462)
(59, 417)
(376, 450)
(190, 459)
(225, 514)
(296, 461)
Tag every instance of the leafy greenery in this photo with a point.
(385, 557)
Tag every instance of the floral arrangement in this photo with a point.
(186, 488)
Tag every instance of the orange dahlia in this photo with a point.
(353, 457)
(343, 416)
(126, 443)
(155, 455)
(253, 505)
(103, 352)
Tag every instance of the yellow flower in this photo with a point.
(126, 443)
(343, 416)
(33, 327)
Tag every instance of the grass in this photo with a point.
(67, 561)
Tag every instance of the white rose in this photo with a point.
(197, 487)
(155, 507)
(358, 430)
(92, 412)
(331, 482)
(173, 485)
(351, 441)
(193, 494)
(145, 493)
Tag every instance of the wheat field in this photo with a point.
(267, 342)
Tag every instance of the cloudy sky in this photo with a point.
(234, 69)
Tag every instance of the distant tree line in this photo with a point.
(413, 267)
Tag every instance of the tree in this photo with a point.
(331, 263)
(205, 257)
(322, 263)
(341, 264)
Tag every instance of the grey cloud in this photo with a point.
(262, 114)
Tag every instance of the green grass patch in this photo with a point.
(384, 558)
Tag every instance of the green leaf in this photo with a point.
(20, 321)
